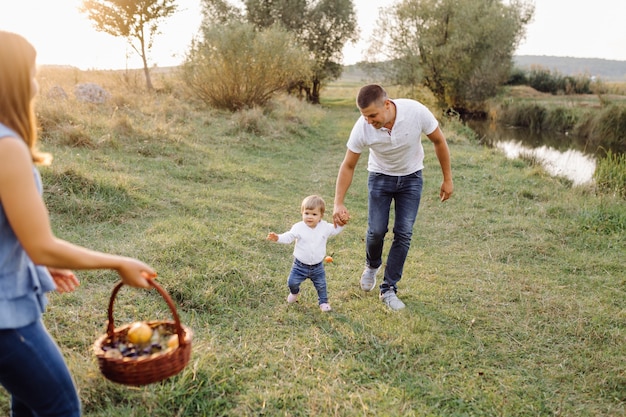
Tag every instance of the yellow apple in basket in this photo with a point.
(139, 333)
(172, 342)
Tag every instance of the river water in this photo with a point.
(571, 160)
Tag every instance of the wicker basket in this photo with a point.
(145, 369)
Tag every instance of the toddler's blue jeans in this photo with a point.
(301, 271)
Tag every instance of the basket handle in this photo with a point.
(166, 297)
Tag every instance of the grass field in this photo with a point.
(515, 288)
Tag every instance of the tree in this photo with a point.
(463, 48)
(237, 66)
(219, 12)
(136, 20)
(291, 14)
(323, 26)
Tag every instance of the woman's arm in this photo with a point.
(29, 219)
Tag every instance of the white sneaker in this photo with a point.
(392, 301)
(325, 307)
(292, 298)
(368, 278)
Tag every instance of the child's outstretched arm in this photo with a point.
(284, 238)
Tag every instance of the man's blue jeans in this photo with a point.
(301, 271)
(405, 192)
(33, 371)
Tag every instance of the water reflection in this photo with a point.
(571, 164)
(558, 157)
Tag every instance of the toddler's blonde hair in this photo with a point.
(312, 202)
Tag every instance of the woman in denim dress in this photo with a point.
(32, 260)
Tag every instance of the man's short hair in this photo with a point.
(369, 94)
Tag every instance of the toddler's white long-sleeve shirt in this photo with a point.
(310, 245)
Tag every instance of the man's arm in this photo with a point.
(344, 180)
(443, 155)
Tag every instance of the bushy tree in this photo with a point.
(323, 26)
(235, 66)
(552, 81)
(218, 12)
(136, 20)
(463, 48)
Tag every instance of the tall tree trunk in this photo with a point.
(146, 70)
(314, 98)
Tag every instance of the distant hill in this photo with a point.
(603, 69)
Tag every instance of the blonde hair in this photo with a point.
(17, 61)
(312, 202)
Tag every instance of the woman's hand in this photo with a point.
(64, 279)
(135, 273)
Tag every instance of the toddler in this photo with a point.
(310, 235)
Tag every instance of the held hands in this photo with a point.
(341, 216)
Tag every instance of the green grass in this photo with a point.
(515, 288)
(610, 174)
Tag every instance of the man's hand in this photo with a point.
(341, 216)
(447, 187)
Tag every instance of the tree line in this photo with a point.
(461, 50)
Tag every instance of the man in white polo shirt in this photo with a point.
(392, 130)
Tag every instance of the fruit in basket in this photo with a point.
(172, 342)
(139, 333)
(141, 340)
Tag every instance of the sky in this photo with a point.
(64, 36)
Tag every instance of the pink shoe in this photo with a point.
(292, 298)
(325, 307)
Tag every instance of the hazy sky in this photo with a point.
(63, 36)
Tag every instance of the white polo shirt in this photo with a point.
(401, 152)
